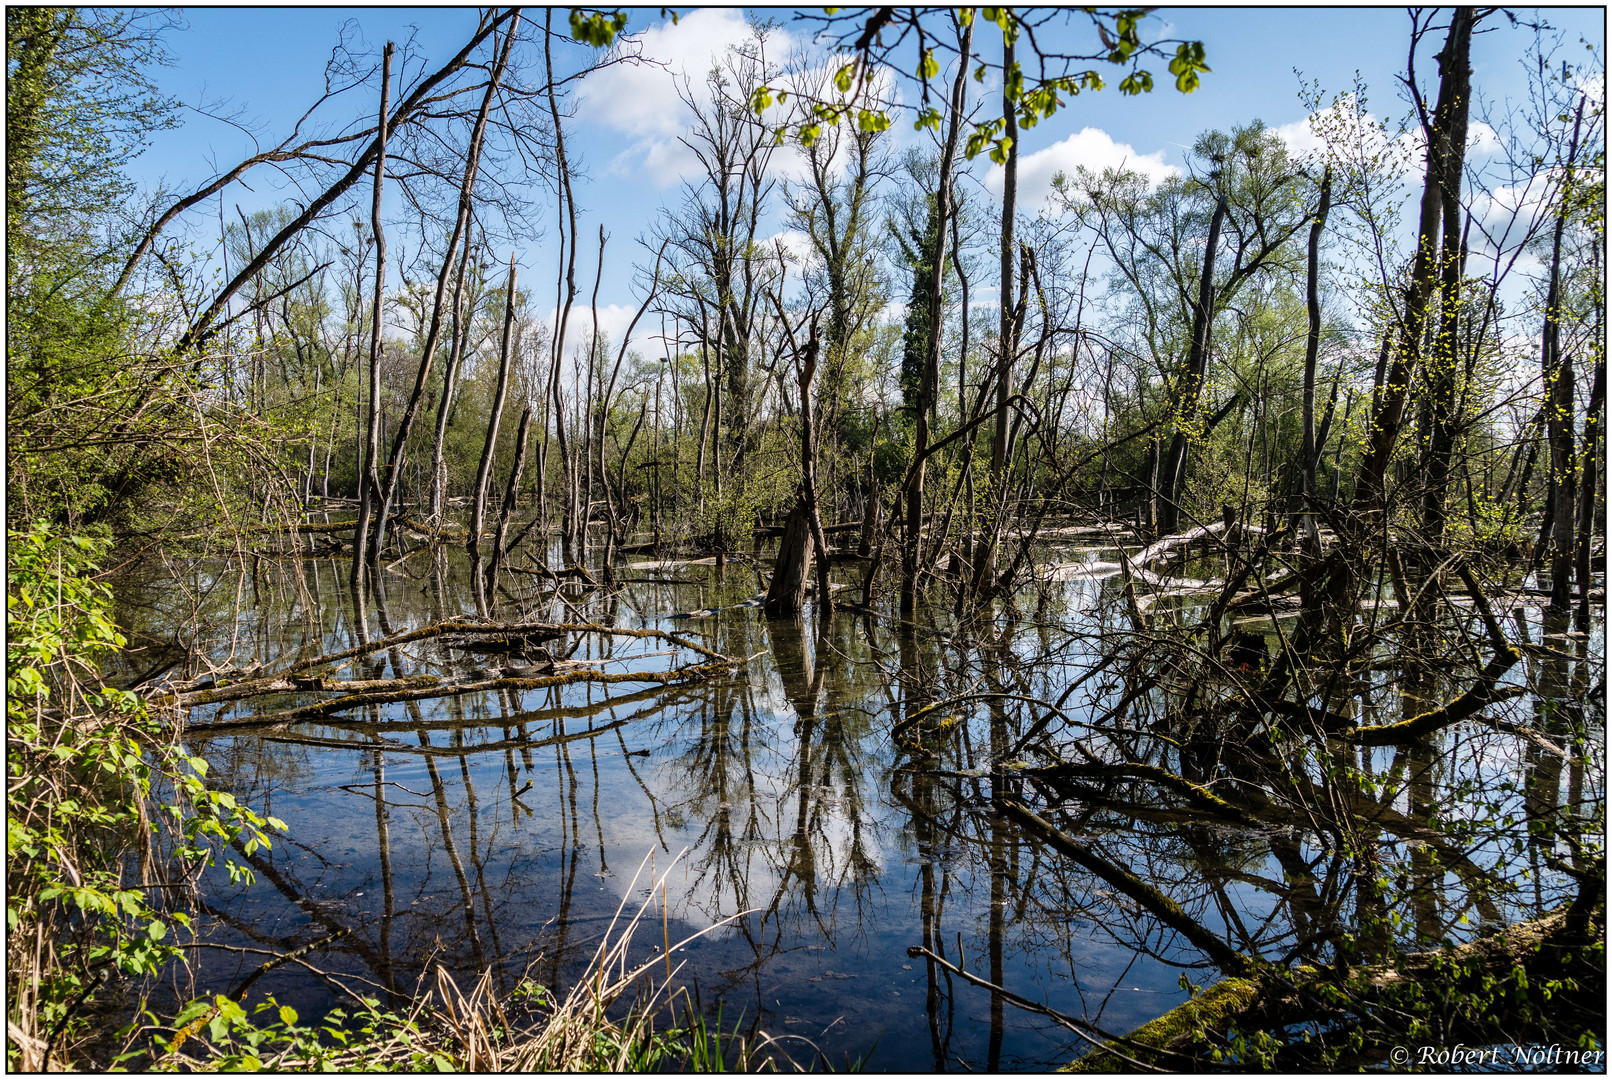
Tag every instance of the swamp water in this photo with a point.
(505, 829)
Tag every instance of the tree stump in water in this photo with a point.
(871, 507)
(789, 574)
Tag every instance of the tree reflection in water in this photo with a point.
(859, 789)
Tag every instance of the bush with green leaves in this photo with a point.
(108, 821)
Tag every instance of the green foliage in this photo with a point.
(597, 28)
(221, 1035)
(95, 795)
(101, 422)
(79, 105)
(1035, 98)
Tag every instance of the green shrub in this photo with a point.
(107, 818)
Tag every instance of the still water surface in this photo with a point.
(505, 829)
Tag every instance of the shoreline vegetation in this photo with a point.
(1364, 413)
(98, 783)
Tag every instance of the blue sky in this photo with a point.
(267, 65)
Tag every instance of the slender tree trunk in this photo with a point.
(1558, 371)
(1588, 455)
(568, 229)
(1445, 155)
(313, 437)
(927, 385)
(1443, 361)
(1312, 341)
(510, 492)
(461, 227)
(1007, 343)
(367, 483)
(460, 334)
(1173, 467)
(479, 509)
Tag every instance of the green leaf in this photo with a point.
(597, 29)
(288, 1015)
(842, 78)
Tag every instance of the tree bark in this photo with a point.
(479, 510)
(1173, 469)
(367, 480)
(1445, 155)
(787, 591)
(927, 385)
(1312, 341)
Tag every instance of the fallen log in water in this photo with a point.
(1559, 956)
(214, 691)
(417, 688)
(1158, 549)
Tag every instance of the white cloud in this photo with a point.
(641, 100)
(1481, 139)
(613, 319)
(1363, 133)
(1092, 147)
(797, 245)
(1507, 215)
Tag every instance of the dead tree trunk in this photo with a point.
(872, 506)
(1173, 469)
(787, 592)
(792, 559)
(479, 510)
(461, 226)
(910, 544)
(568, 234)
(460, 331)
(367, 482)
(510, 491)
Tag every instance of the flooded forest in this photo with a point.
(1149, 622)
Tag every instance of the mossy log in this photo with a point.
(416, 688)
(1196, 794)
(1180, 1029)
(1566, 945)
(216, 691)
